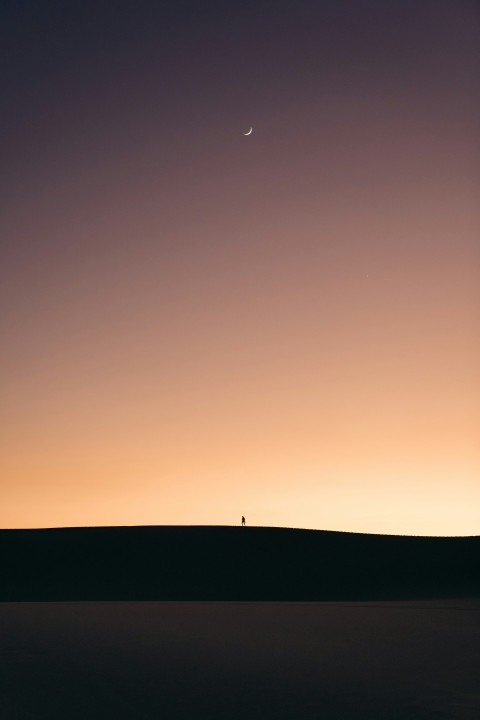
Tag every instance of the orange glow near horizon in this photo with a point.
(284, 326)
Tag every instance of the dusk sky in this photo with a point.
(198, 324)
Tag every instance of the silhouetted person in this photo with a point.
(243, 521)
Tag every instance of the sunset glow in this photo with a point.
(197, 324)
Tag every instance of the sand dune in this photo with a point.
(232, 563)
(379, 657)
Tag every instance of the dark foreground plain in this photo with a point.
(233, 563)
(280, 661)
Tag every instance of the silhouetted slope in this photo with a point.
(232, 563)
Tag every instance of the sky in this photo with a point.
(198, 324)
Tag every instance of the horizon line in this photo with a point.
(263, 527)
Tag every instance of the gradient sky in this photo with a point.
(198, 325)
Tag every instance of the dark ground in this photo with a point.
(282, 661)
(233, 563)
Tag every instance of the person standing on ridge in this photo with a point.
(243, 521)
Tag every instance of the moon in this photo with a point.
(249, 132)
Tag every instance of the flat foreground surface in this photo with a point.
(231, 660)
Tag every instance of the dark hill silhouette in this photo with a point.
(232, 563)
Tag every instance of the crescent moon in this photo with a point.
(249, 132)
